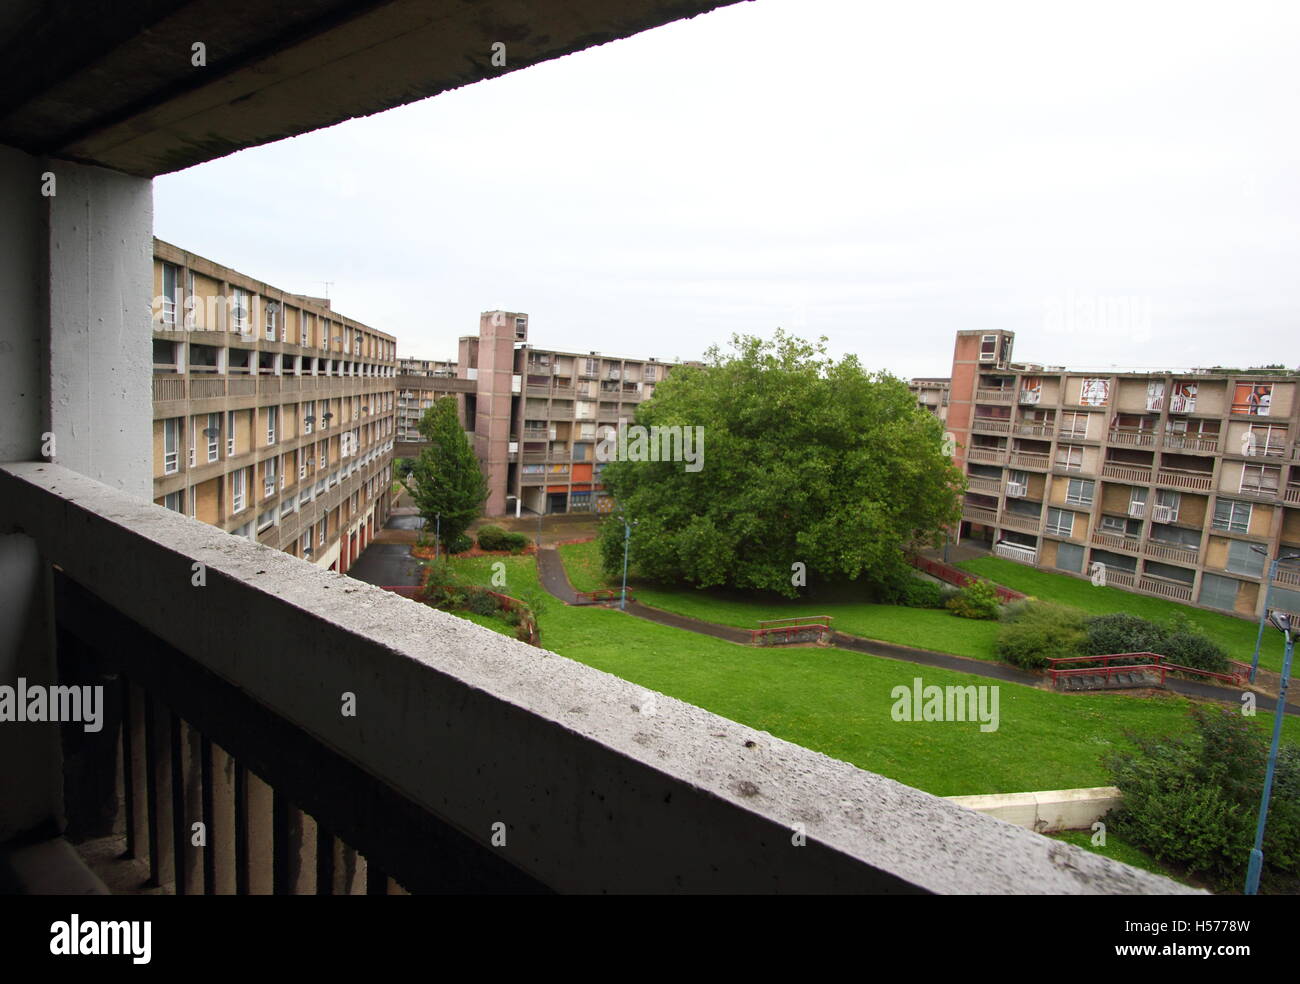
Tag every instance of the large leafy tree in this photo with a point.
(445, 480)
(806, 461)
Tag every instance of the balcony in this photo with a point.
(1165, 588)
(1126, 473)
(1165, 514)
(1116, 541)
(1170, 551)
(1017, 490)
(1034, 430)
(978, 483)
(978, 514)
(1136, 510)
(992, 425)
(1179, 479)
(1120, 578)
(1014, 551)
(1016, 521)
(1030, 459)
(1190, 442)
(1134, 438)
(986, 394)
(993, 455)
(1291, 494)
(457, 728)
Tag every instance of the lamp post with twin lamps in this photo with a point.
(1268, 589)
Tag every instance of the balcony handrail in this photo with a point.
(459, 728)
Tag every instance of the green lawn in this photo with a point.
(1119, 849)
(489, 622)
(1235, 635)
(839, 702)
(924, 628)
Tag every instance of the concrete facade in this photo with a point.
(1180, 484)
(274, 415)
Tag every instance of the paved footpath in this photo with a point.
(550, 569)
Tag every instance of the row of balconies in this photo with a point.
(1126, 438)
(169, 388)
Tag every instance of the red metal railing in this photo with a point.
(960, 578)
(783, 631)
(599, 596)
(1108, 668)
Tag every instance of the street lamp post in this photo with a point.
(1268, 590)
(627, 539)
(1283, 622)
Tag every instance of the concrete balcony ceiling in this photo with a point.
(115, 84)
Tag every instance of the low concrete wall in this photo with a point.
(1047, 811)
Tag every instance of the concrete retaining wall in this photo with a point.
(1048, 811)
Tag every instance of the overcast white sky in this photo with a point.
(881, 173)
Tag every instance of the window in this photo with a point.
(1253, 399)
(302, 464)
(1244, 559)
(239, 310)
(1069, 457)
(321, 541)
(265, 519)
(306, 540)
(1060, 522)
(230, 433)
(272, 415)
(268, 477)
(1218, 591)
(213, 434)
(171, 445)
(1080, 491)
(170, 274)
(1094, 392)
(309, 417)
(1267, 439)
(175, 501)
(1183, 399)
(1232, 517)
(988, 347)
(1074, 424)
(1167, 505)
(237, 490)
(1069, 557)
(272, 312)
(191, 298)
(1260, 479)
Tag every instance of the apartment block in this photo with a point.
(931, 394)
(274, 415)
(1183, 485)
(534, 416)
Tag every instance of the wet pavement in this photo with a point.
(387, 564)
(414, 522)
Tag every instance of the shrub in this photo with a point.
(1122, 633)
(1034, 631)
(459, 543)
(918, 593)
(1195, 650)
(979, 599)
(495, 538)
(482, 603)
(491, 537)
(1193, 800)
